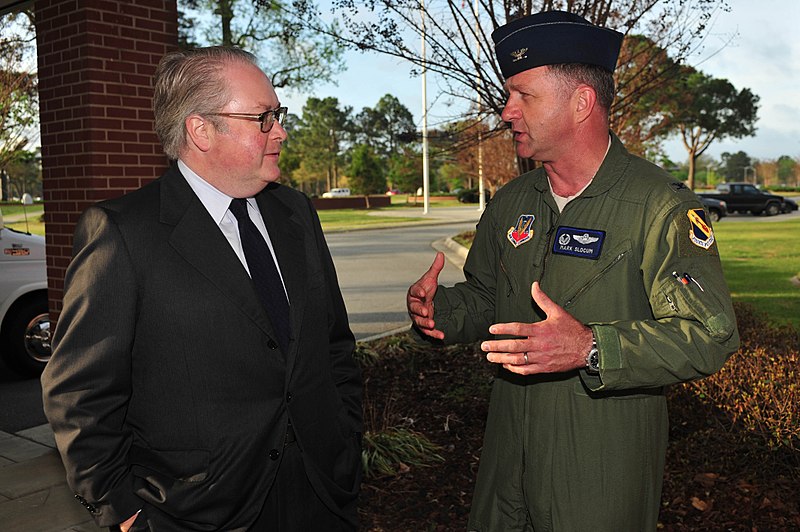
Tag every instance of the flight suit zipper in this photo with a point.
(594, 279)
(511, 281)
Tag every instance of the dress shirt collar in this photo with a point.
(215, 202)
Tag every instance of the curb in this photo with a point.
(456, 248)
(453, 251)
(389, 225)
(385, 334)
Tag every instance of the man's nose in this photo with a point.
(509, 113)
(278, 132)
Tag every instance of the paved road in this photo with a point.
(375, 269)
(761, 218)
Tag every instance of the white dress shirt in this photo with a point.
(217, 204)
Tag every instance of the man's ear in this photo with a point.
(585, 100)
(200, 132)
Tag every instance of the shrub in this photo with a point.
(365, 355)
(472, 195)
(394, 450)
(758, 388)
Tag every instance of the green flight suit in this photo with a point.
(574, 451)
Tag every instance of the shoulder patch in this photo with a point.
(700, 233)
(694, 235)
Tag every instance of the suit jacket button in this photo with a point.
(289, 397)
(272, 344)
(86, 504)
(274, 454)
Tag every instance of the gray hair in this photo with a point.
(191, 82)
(601, 80)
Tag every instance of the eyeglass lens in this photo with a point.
(268, 118)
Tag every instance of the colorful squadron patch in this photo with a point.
(522, 232)
(700, 233)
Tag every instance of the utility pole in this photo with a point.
(481, 189)
(425, 176)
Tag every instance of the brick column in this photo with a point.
(96, 64)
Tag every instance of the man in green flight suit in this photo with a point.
(593, 282)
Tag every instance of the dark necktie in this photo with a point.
(263, 272)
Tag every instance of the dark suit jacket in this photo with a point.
(167, 391)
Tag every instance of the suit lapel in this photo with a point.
(288, 242)
(201, 243)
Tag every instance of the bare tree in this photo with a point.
(460, 51)
(492, 159)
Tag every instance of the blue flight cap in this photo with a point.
(552, 38)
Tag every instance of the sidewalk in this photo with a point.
(34, 496)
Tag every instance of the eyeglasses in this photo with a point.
(267, 118)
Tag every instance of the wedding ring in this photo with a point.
(525, 356)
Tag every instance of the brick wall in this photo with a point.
(96, 63)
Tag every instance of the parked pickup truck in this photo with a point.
(745, 197)
(717, 209)
(24, 319)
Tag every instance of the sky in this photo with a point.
(762, 53)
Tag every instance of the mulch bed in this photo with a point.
(717, 476)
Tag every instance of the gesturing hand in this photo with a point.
(559, 343)
(419, 299)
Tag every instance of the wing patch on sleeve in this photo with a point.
(695, 234)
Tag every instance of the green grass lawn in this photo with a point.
(344, 219)
(13, 209)
(760, 259)
(34, 226)
(14, 219)
(406, 200)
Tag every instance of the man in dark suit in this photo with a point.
(202, 376)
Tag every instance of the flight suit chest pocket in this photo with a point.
(520, 266)
(579, 275)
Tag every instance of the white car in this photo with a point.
(24, 317)
(337, 193)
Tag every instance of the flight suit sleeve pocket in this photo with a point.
(694, 297)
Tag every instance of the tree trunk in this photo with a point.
(692, 167)
(225, 11)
